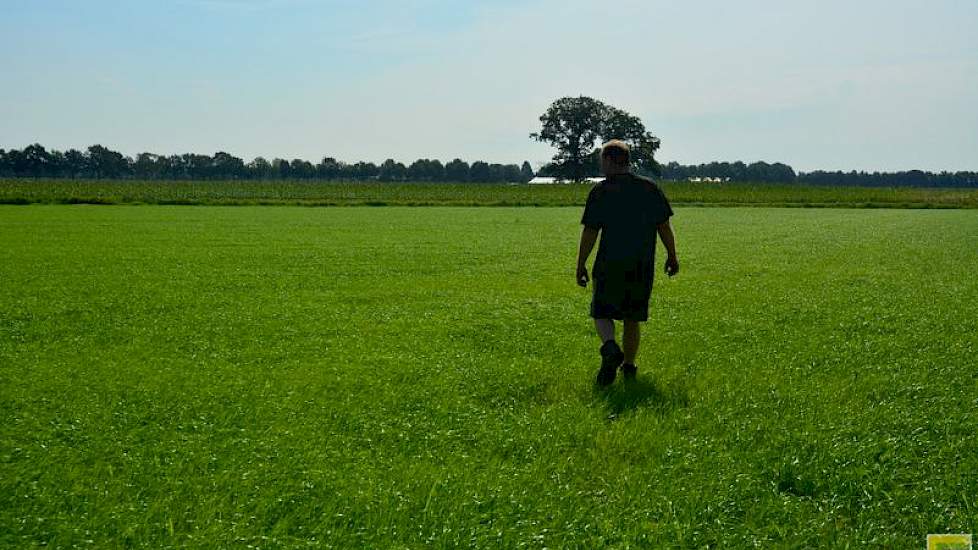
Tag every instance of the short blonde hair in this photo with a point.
(617, 150)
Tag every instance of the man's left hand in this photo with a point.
(672, 266)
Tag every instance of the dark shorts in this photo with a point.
(624, 299)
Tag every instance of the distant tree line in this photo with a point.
(782, 173)
(735, 171)
(99, 162)
(732, 171)
(910, 178)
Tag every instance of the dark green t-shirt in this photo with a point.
(626, 208)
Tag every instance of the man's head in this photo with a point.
(615, 157)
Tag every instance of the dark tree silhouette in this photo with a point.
(574, 124)
(457, 170)
(479, 171)
(392, 171)
(105, 163)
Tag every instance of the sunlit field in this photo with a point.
(288, 377)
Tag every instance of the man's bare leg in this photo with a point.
(611, 354)
(605, 328)
(631, 335)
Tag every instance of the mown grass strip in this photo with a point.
(408, 378)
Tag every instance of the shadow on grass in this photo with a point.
(628, 395)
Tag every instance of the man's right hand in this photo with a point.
(582, 277)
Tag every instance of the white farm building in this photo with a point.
(544, 180)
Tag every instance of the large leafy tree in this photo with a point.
(574, 124)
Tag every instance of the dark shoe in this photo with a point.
(611, 357)
(629, 371)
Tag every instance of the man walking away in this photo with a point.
(628, 212)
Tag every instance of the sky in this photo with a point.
(828, 84)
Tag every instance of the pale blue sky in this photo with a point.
(869, 84)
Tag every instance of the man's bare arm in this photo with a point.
(588, 237)
(669, 240)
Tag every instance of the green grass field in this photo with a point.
(277, 377)
(318, 193)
